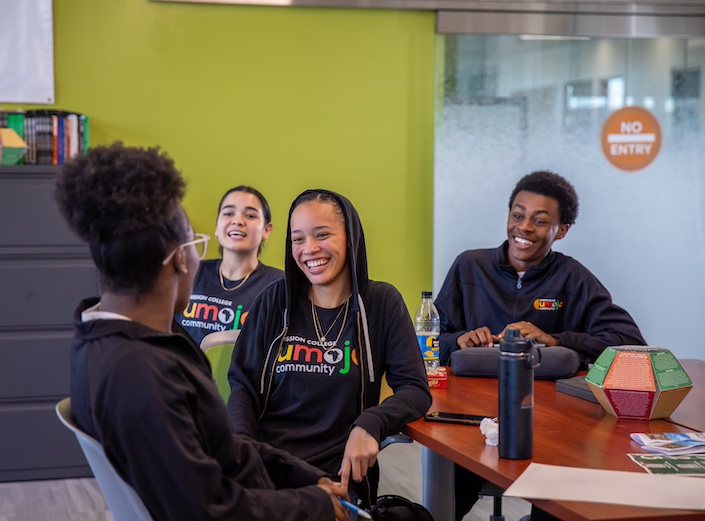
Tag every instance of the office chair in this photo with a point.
(122, 500)
(219, 338)
(218, 348)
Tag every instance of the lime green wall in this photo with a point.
(283, 99)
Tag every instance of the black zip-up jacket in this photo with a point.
(559, 296)
(149, 398)
(385, 335)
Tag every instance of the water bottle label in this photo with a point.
(429, 344)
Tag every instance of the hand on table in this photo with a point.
(530, 331)
(480, 337)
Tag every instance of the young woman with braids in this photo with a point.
(139, 384)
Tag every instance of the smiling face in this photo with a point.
(241, 224)
(533, 226)
(319, 244)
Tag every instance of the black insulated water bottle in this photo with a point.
(516, 397)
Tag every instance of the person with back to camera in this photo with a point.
(307, 368)
(525, 285)
(139, 384)
(224, 288)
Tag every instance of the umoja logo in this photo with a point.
(547, 304)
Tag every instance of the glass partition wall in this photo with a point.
(512, 104)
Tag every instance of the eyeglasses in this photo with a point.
(200, 243)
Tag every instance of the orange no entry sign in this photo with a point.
(631, 138)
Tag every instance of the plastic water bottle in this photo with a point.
(516, 397)
(428, 327)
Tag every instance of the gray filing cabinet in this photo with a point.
(45, 270)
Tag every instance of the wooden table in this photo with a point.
(568, 431)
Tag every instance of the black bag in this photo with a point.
(398, 508)
(555, 362)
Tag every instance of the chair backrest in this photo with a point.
(218, 348)
(219, 338)
(122, 500)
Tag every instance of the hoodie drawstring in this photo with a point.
(366, 333)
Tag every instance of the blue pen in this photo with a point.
(355, 509)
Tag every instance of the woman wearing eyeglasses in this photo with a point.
(307, 368)
(139, 384)
(224, 288)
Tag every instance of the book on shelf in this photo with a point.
(52, 136)
(72, 130)
(14, 119)
(12, 148)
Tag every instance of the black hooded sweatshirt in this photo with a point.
(149, 398)
(385, 342)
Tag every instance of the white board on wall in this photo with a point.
(27, 56)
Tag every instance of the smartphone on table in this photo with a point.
(454, 417)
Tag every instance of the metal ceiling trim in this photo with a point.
(642, 7)
(590, 25)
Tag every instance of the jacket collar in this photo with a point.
(132, 330)
(502, 259)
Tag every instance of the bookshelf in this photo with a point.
(45, 270)
(52, 137)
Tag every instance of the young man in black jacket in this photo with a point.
(523, 284)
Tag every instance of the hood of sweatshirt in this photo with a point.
(298, 284)
(296, 281)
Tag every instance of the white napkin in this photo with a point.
(489, 427)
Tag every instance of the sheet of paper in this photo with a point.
(686, 465)
(540, 481)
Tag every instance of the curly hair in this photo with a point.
(126, 203)
(550, 184)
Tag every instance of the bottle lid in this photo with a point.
(427, 294)
(513, 342)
